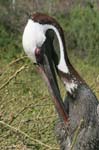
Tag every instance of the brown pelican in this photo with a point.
(78, 126)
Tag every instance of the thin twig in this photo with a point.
(29, 106)
(76, 134)
(13, 76)
(97, 79)
(17, 60)
(12, 63)
(46, 117)
(26, 135)
(41, 118)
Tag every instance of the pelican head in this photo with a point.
(38, 44)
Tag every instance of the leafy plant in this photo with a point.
(10, 44)
(82, 32)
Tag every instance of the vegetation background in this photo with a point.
(27, 115)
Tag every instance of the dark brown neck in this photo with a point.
(72, 75)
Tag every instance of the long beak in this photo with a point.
(47, 69)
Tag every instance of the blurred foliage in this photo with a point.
(81, 27)
(83, 32)
(79, 19)
(10, 45)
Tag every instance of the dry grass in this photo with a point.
(27, 115)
